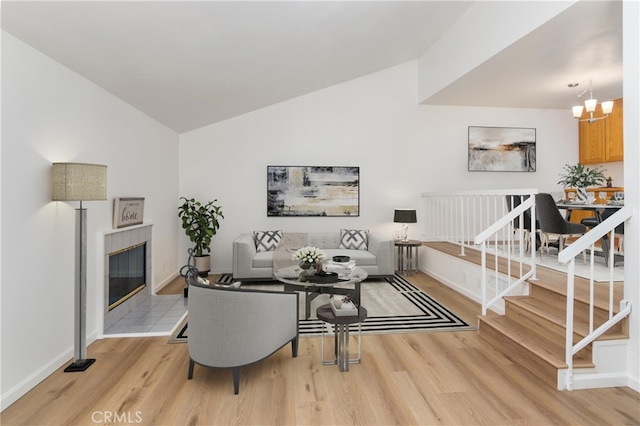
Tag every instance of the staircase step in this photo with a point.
(532, 333)
(551, 316)
(539, 355)
(545, 322)
(555, 282)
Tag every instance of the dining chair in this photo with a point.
(552, 222)
(514, 201)
(592, 222)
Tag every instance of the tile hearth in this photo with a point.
(157, 314)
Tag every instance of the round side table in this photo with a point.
(341, 335)
(407, 252)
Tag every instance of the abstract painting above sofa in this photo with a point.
(313, 191)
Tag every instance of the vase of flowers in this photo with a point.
(581, 177)
(308, 259)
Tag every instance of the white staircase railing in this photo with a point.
(481, 219)
(484, 238)
(568, 255)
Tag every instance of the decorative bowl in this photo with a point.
(324, 277)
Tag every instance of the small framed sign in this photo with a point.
(127, 212)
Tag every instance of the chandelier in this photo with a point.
(590, 105)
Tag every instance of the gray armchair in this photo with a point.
(231, 328)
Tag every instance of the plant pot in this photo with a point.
(203, 265)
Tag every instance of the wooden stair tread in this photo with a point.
(550, 352)
(555, 312)
(556, 282)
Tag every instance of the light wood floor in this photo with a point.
(451, 378)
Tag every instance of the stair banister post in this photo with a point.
(533, 237)
(483, 283)
(569, 323)
(611, 265)
(462, 231)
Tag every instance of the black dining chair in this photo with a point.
(552, 222)
(592, 222)
(514, 201)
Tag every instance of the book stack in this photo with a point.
(343, 269)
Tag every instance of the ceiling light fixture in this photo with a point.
(590, 105)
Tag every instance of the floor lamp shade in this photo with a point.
(80, 182)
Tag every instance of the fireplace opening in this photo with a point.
(127, 273)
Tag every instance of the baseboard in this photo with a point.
(451, 284)
(164, 283)
(595, 381)
(634, 383)
(19, 390)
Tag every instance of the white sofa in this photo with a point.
(250, 264)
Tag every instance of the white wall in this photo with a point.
(473, 44)
(631, 73)
(50, 114)
(374, 122)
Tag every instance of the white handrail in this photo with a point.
(504, 221)
(567, 256)
(625, 310)
(482, 218)
(595, 234)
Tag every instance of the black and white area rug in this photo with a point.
(393, 307)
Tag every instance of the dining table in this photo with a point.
(598, 209)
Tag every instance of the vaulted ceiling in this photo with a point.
(189, 64)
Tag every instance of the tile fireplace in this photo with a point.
(127, 280)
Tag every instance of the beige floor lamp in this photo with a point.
(80, 182)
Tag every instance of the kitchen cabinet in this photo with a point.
(602, 140)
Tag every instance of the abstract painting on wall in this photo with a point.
(313, 191)
(502, 149)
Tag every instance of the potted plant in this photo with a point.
(581, 177)
(200, 222)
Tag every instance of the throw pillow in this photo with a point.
(267, 240)
(354, 239)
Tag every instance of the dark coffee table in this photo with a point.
(341, 335)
